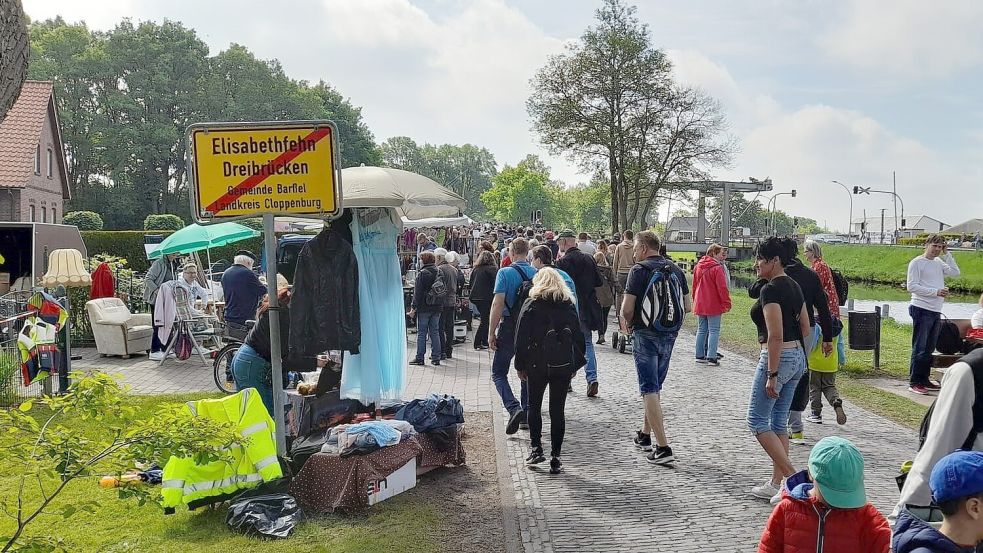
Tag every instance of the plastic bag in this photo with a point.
(271, 515)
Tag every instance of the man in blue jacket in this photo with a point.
(243, 292)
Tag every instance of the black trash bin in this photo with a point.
(864, 330)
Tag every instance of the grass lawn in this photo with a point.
(889, 265)
(739, 334)
(398, 524)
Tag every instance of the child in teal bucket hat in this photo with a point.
(825, 508)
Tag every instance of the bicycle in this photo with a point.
(222, 364)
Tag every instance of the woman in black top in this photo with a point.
(251, 366)
(549, 348)
(482, 292)
(781, 319)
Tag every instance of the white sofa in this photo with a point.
(116, 330)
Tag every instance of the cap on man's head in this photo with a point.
(958, 474)
(567, 233)
(248, 254)
(837, 468)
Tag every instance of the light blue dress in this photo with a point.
(377, 374)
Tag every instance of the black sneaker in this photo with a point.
(535, 457)
(720, 356)
(417, 362)
(555, 465)
(661, 456)
(435, 363)
(713, 362)
(643, 441)
(517, 418)
(592, 389)
(523, 426)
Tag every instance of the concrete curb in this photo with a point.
(510, 514)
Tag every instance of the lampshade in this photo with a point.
(66, 267)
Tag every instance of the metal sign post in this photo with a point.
(244, 170)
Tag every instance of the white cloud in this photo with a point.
(907, 38)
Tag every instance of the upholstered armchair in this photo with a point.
(116, 330)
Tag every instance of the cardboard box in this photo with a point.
(396, 483)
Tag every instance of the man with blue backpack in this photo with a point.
(655, 301)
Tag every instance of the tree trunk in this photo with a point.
(14, 49)
(615, 212)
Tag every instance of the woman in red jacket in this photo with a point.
(711, 299)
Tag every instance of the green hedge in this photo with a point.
(165, 221)
(84, 220)
(128, 244)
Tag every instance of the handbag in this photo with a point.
(183, 345)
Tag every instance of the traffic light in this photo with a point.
(793, 192)
(795, 222)
(863, 226)
(539, 216)
(856, 189)
(903, 223)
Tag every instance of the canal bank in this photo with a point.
(888, 265)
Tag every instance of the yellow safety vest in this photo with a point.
(185, 481)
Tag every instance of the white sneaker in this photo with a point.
(156, 356)
(172, 355)
(814, 418)
(777, 498)
(765, 491)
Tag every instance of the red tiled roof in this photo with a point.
(20, 132)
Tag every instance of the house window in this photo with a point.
(33, 214)
(54, 214)
(37, 160)
(44, 214)
(51, 162)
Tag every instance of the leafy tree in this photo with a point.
(166, 221)
(467, 170)
(14, 50)
(591, 205)
(518, 191)
(609, 102)
(45, 453)
(84, 220)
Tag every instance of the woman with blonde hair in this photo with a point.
(549, 348)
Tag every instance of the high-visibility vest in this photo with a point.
(255, 461)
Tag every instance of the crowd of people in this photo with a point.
(542, 294)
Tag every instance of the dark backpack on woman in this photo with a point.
(555, 344)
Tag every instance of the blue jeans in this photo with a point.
(767, 414)
(652, 351)
(249, 370)
(707, 336)
(591, 368)
(428, 324)
(504, 353)
(925, 333)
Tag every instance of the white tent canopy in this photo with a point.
(418, 197)
(435, 222)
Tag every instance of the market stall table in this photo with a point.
(329, 482)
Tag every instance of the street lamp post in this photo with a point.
(849, 227)
(773, 206)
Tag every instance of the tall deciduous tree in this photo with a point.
(467, 170)
(609, 102)
(518, 191)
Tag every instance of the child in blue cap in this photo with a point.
(957, 488)
(826, 508)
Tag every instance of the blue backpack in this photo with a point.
(662, 308)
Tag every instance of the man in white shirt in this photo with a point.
(585, 245)
(926, 282)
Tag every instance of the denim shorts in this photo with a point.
(652, 351)
(767, 414)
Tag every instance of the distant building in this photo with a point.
(33, 175)
(971, 227)
(910, 226)
(682, 229)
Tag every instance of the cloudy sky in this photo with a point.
(813, 90)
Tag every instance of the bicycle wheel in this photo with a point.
(223, 367)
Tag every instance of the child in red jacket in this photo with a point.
(825, 508)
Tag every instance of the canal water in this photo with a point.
(866, 297)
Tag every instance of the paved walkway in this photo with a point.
(467, 376)
(609, 498)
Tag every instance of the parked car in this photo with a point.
(830, 238)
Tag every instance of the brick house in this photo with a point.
(33, 175)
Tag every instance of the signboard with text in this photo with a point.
(249, 169)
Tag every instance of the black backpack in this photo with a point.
(438, 291)
(521, 295)
(841, 285)
(975, 360)
(555, 345)
(950, 341)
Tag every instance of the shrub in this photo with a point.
(166, 221)
(84, 220)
